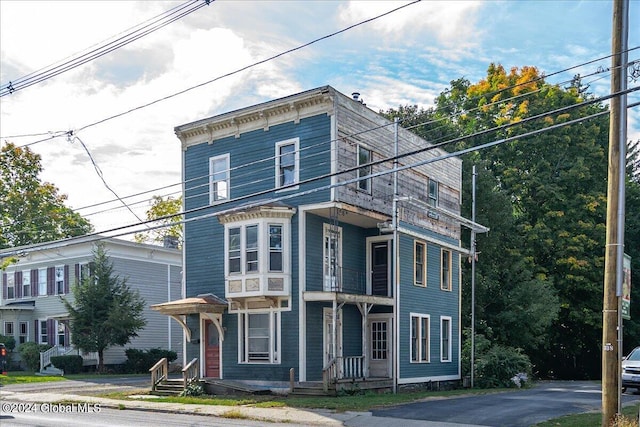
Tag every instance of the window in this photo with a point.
(275, 247)
(42, 281)
(287, 162)
(59, 278)
(445, 339)
(420, 265)
(419, 338)
(218, 179)
(259, 337)
(8, 329)
(433, 192)
(24, 332)
(60, 333)
(446, 270)
(364, 157)
(11, 286)
(26, 283)
(85, 272)
(44, 333)
(234, 250)
(332, 257)
(251, 248)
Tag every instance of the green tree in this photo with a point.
(556, 185)
(167, 209)
(105, 311)
(32, 211)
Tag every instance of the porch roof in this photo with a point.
(22, 305)
(346, 298)
(207, 303)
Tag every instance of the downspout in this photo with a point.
(395, 269)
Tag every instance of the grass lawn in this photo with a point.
(22, 377)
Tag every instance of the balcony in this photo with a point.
(347, 286)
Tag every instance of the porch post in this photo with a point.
(365, 347)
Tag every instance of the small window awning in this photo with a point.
(206, 304)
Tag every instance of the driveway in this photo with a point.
(522, 408)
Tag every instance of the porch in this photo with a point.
(47, 368)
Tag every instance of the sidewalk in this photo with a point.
(272, 415)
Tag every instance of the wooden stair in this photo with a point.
(170, 387)
(312, 389)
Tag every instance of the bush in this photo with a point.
(140, 361)
(193, 389)
(30, 353)
(499, 364)
(8, 341)
(68, 364)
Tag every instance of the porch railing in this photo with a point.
(45, 356)
(347, 280)
(190, 372)
(159, 372)
(338, 368)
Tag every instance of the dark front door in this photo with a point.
(211, 351)
(380, 268)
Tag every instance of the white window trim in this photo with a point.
(26, 277)
(367, 190)
(39, 331)
(327, 279)
(4, 328)
(433, 201)
(263, 247)
(442, 320)
(420, 335)
(296, 163)
(26, 336)
(224, 157)
(55, 280)
(42, 292)
(275, 337)
(424, 263)
(11, 283)
(450, 272)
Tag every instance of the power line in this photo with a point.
(53, 70)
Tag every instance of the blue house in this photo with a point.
(309, 252)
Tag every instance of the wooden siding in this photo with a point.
(429, 300)
(359, 125)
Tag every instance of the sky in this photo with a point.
(408, 56)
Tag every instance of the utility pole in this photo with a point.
(473, 274)
(611, 348)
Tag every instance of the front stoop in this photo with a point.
(170, 387)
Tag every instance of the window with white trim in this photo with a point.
(59, 280)
(445, 283)
(43, 333)
(275, 247)
(60, 328)
(251, 248)
(26, 283)
(11, 286)
(364, 157)
(24, 332)
(332, 257)
(42, 281)
(420, 264)
(287, 162)
(419, 338)
(445, 339)
(8, 329)
(219, 179)
(433, 192)
(259, 337)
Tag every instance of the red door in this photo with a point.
(211, 351)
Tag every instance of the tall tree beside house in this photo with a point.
(32, 211)
(166, 211)
(105, 311)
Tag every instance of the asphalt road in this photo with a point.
(522, 408)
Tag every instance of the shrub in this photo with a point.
(8, 341)
(193, 389)
(140, 361)
(69, 364)
(499, 364)
(30, 353)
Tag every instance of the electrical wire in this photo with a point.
(155, 24)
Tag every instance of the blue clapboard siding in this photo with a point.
(432, 301)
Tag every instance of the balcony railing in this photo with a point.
(346, 280)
